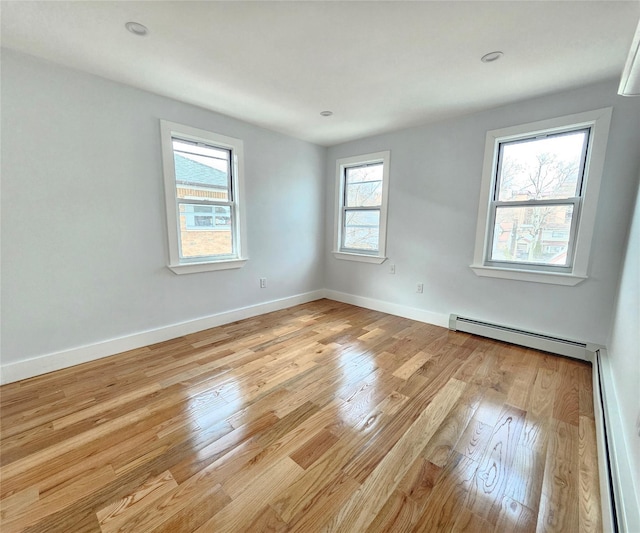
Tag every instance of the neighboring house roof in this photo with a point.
(559, 259)
(190, 172)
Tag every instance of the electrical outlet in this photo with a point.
(263, 283)
(392, 269)
(420, 288)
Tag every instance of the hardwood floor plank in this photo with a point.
(469, 522)
(412, 365)
(446, 437)
(448, 497)
(474, 440)
(566, 406)
(15, 504)
(399, 513)
(283, 447)
(515, 517)
(419, 481)
(539, 410)
(330, 466)
(588, 491)
(183, 509)
(559, 505)
(321, 417)
(363, 507)
(267, 521)
(306, 455)
(586, 391)
(115, 515)
(246, 507)
(524, 376)
(51, 502)
(495, 471)
(526, 476)
(320, 514)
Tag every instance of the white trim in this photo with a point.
(630, 79)
(341, 164)
(83, 354)
(191, 268)
(360, 257)
(437, 319)
(599, 120)
(528, 275)
(628, 515)
(167, 131)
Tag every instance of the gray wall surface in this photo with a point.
(624, 360)
(435, 177)
(84, 244)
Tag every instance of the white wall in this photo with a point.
(83, 232)
(84, 243)
(624, 363)
(433, 204)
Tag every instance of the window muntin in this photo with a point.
(362, 185)
(202, 184)
(536, 194)
(563, 236)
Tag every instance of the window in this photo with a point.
(203, 186)
(538, 199)
(361, 217)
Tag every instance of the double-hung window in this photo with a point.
(203, 185)
(361, 209)
(538, 199)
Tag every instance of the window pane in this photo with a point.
(539, 169)
(363, 186)
(537, 234)
(362, 230)
(201, 171)
(205, 231)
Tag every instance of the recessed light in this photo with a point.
(491, 57)
(136, 28)
(326, 113)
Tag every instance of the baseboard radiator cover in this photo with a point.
(609, 496)
(538, 341)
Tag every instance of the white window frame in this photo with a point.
(598, 121)
(342, 165)
(168, 131)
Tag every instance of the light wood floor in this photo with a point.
(322, 417)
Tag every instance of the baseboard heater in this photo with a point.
(538, 341)
(611, 498)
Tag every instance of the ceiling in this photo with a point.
(379, 66)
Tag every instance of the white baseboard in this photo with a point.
(437, 319)
(626, 500)
(624, 496)
(83, 354)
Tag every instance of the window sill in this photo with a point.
(528, 275)
(363, 258)
(192, 268)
